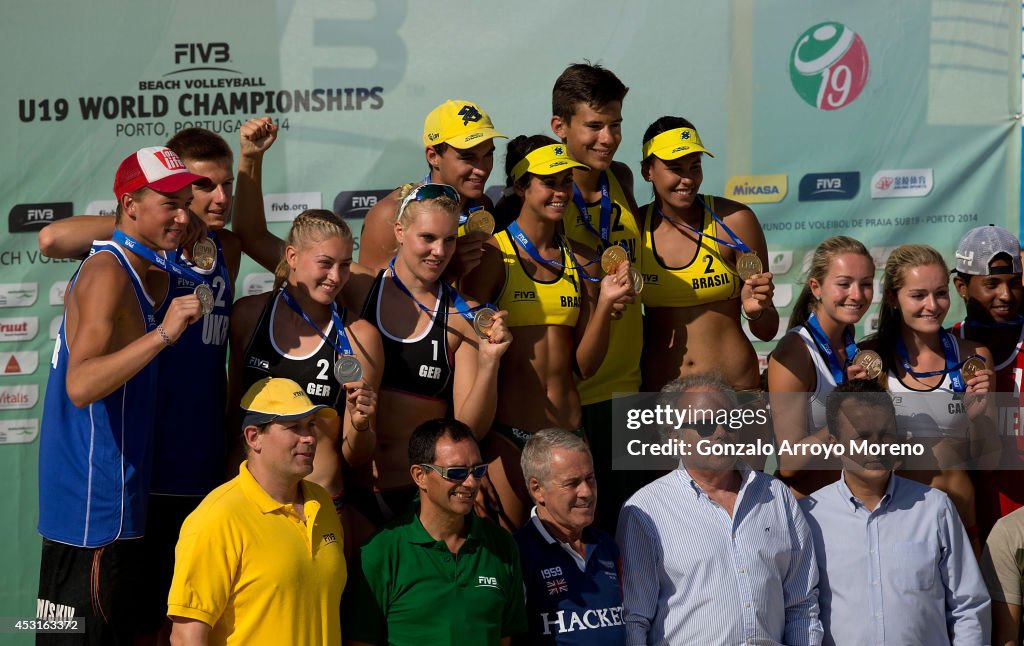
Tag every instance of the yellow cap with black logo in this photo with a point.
(462, 124)
(547, 160)
(673, 144)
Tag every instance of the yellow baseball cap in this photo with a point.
(462, 124)
(673, 144)
(273, 399)
(547, 160)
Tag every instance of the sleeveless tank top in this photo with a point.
(928, 412)
(620, 370)
(422, 366)
(824, 383)
(188, 450)
(94, 462)
(706, 279)
(314, 371)
(533, 302)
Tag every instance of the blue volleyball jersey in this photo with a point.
(189, 447)
(94, 462)
(564, 603)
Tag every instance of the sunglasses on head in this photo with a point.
(429, 192)
(458, 474)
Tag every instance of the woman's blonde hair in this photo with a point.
(824, 254)
(312, 225)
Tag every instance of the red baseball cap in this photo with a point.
(157, 168)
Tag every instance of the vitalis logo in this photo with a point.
(30, 218)
(829, 186)
(18, 397)
(829, 66)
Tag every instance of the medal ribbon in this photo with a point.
(825, 347)
(136, 247)
(531, 250)
(342, 346)
(605, 218)
(952, 367)
(461, 306)
(736, 243)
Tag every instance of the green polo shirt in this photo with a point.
(409, 589)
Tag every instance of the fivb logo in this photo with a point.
(829, 186)
(201, 53)
(829, 66)
(470, 113)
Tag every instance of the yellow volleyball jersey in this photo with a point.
(705, 279)
(533, 302)
(620, 371)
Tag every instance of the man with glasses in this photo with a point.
(439, 574)
(715, 552)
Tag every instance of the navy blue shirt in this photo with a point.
(571, 599)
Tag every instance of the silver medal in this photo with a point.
(482, 320)
(347, 369)
(205, 296)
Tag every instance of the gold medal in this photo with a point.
(483, 319)
(480, 220)
(971, 367)
(870, 361)
(748, 264)
(347, 369)
(612, 257)
(637, 278)
(205, 296)
(204, 254)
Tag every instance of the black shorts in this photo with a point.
(103, 585)
(164, 518)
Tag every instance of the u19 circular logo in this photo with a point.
(829, 66)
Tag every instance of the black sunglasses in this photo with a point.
(458, 474)
(707, 429)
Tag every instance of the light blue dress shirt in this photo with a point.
(693, 575)
(902, 574)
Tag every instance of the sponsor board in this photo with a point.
(22, 328)
(18, 294)
(779, 262)
(356, 204)
(19, 397)
(283, 207)
(783, 295)
(101, 207)
(18, 363)
(55, 326)
(18, 431)
(756, 189)
(30, 218)
(906, 182)
(829, 186)
(828, 66)
(57, 291)
(259, 283)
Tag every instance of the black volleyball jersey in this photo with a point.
(314, 372)
(420, 366)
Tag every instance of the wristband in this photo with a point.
(743, 313)
(167, 339)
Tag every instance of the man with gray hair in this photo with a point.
(570, 569)
(715, 552)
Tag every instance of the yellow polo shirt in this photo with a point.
(249, 567)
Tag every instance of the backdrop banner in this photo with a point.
(889, 122)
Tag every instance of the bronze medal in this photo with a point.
(480, 220)
(347, 369)
(205, 296)
(870, 361)
(971, 367)
(748, 264)
(483, 319)
(204, 254)
(612, 257)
